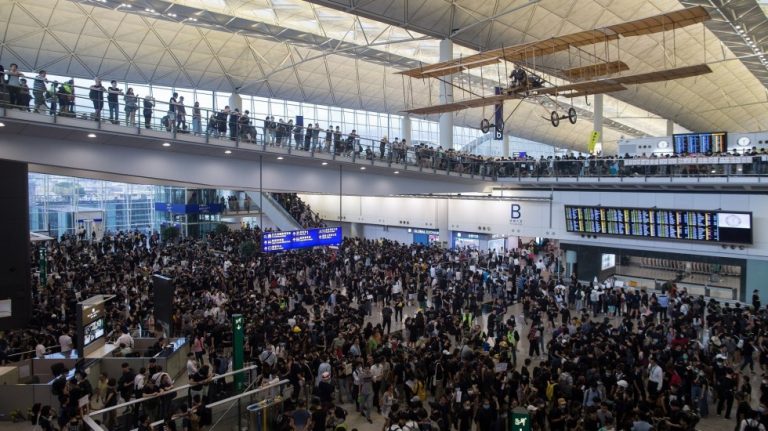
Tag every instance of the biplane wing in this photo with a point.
(598, 86)
(523, 52)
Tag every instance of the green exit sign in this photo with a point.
(520, 420)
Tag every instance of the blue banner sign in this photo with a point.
(295, 239)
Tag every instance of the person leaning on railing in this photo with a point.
(131, 105)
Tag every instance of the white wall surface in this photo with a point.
(545, 219)
(392, 233)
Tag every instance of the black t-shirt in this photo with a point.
(318, 419)
(112, 97)
(97, 92)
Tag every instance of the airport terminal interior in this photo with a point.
(384, 215)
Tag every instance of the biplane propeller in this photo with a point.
(598, 78)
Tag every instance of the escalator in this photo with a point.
(272, 209)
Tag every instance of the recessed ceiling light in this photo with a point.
(166, 144)
(228, 152)
(362, 168)
(279, 157)
(397, 172)
(91, 135)
(2, 124)
(325, 163)
(738, 27)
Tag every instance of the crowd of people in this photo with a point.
(299, 210)
(413, 337)
(230, 122)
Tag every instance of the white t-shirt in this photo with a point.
(65, 341)
(39, 351)
(125, 339)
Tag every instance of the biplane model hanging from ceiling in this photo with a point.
(603, 75)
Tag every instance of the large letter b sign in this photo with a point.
(515, 215)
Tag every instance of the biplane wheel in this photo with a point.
(572, 115)
(555, 118)
(485, 125)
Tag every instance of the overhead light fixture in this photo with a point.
(91, 135)
(362, 168)
(150, 10)
(397, 172)
(325, 163)
(737, 27)
(228, 152)
(172, 15)
(279, 157)
(166, 144)
(2, 124)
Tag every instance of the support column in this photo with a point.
(356, 230)
(235, 101)
(405, 128)
(598, 113)
(446, 96)
(441, 208)
(670, 127)
(15, 280)
(505, 145)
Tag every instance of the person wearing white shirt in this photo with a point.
(65, 342)
(191, 365)
(655, 379)
(751, 422)
(138, 381)
(39, 351)
(125, 338)
(377, 375)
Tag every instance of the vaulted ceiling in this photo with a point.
(346, 52)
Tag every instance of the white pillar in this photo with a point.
(598, 112)
(405, 128)
(441, 207)
(356, 230)
(446, 96)
(505, 145)
(670, 127)
(235, 102)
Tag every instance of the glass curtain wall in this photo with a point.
(55, 202)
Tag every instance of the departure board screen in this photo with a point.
(653, 223)
(295, 239)
(700, 143)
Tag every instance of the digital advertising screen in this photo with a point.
(297, 239)
(93, 331)
(653, 223)
(608, 261)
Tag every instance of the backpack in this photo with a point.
(752, 425)
(550, 391)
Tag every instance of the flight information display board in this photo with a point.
(689, 225)
(700, 143)
(295, 239)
